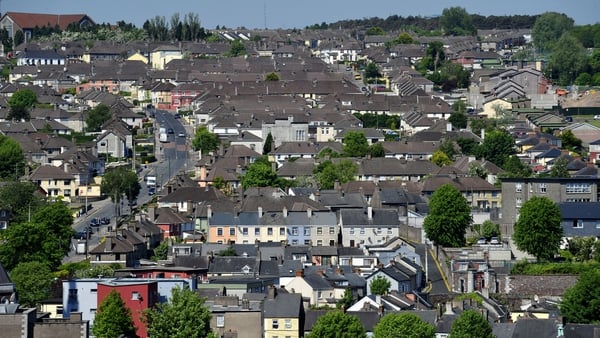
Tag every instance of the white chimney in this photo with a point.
(208, 211)
(449, 310)
(370, 212)
(309, 212)
(260, 213)
(448, 126)
(285, 212)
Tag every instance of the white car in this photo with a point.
(181, 134)
(596, 117)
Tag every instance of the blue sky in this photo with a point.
(292, 14)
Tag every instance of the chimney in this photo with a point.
(449, 310)
(221, 150)
(260, 212)
(370, 212)
(285, 212)
(271, 292)
(66, 166)
(300, 273)
(448, 126)
(209, 211)
(320, 272)
(309, 212)
(152, 213)
(482, 134)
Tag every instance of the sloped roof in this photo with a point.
(32, 20)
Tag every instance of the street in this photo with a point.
(172, 157)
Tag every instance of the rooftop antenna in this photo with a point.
(264, 13)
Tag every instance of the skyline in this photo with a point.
(276, 14)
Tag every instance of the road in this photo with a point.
(172, 157)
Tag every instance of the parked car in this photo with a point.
(495, 240)
(596, 117)
(181, 134)
(81, 235)
(104, 220)
(170, 131)
(481, 240)
(95, 222)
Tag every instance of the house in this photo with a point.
(28, 22)
(559, 190)
(17, 321)
(580, 219)
(313, 287)
(137, 296)
(478, 192)
(163, 54)
(283, 314)
(368, 226)
(40, 57)
(116, 140)
(171, 223)
(57, 182)
(403, 275)
(116, 248)
(236, 316)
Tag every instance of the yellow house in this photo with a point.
(283, 315)
(492, 107)
(162, 55)
(58, 182)
(138, 57)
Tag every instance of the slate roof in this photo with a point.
(31, 20)
(45, 172)
(359, 217)
(580, 210)
(463, 184)
(284, 305)
(233, 264)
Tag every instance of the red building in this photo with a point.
(137, 296)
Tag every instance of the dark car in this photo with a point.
(104, 220)
(81, 235)
(170, 131)
(95, 222)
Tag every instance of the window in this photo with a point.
(231, 231)
(389, 231)
(257, 231)
(220, 321)
(332, 230)
(245, 231)
(295, 231)
(135, 295)
(578, 188)
(379, 231)
(543, 188)
(519, 202)
(288, 323)
(578, 223)
(307, 231)
(294, 242)
(319, 242)
(362, 231)
(67, 192)
(219, 231)
(281, 231)
(319, 230)
(307, 242)
(351, 231)
(94, 290)
(270, 231)
(518, 187)
(275, 324)
(299, 135)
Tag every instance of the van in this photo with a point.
(357, 77)
(151, 181)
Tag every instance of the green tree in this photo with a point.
(161, 251)
(538, 230)
(449, 217)
(548, 28)
(113, 318)
(20, 103)
(236, 48)
(468, 146)
(459, 120)
(375, 31)
(583, 248)
(184, 315)
(259, 174)
(327, 173)
(95, 271)
(347, 299)
(490, 229)
(33, 281)
(272, 76)
(355, 144)
(449, 148)
(337, 324)
(456, 21)
(440, 158)
(471, 323)
(568, 59)
(205, 141)
(268, 147)
(581, 302)
(119, 182)
(394, 325)
(497, 147)
(46, 239)
(559, 168)
(372, 71)
(477, 170)
(514, 167)
(97, 116)
(12, 160)
(19, 38)
(570, 141)
(376, 150)
(380, 285)
(19, 199)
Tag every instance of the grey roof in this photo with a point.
(580, 210)
(317, 282)
(360, 217)
(535, 328)
(232, 264)
(284, 305)
(289, 267)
